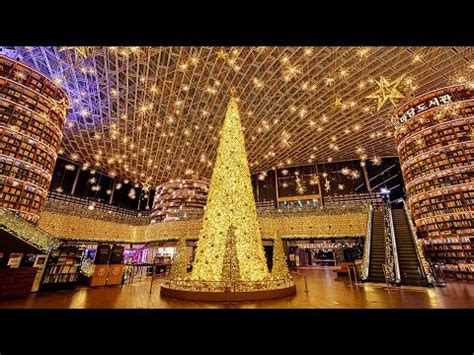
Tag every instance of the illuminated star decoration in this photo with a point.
(146, 187)
(387, 91)
(337, 102)
(60, 107)
(327, 185)
(221, 54)
(376, 160)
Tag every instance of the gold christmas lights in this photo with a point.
(230, 203)
(204, 67)
(279, 264)
(27, 231)
(387, 91)
(179, 268)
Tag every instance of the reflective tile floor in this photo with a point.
(324, 291)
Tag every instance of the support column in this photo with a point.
(434, 131)
(277, 196)
(319, 185)
(139, 200)
(112, 193)
(20, 80)
(75, 181)
(366, 177)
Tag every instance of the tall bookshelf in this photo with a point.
(456, 253)
(33, 112)
(62, 270)
(434, 133)
(176, 199)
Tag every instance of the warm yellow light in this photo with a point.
(230, 204)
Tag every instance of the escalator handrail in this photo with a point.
(394, 246)
(425, 271)
(368, 242)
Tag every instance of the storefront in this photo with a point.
(323, 252)
(136, 253)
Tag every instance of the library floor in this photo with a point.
(324, 292)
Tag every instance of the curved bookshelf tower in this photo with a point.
(33, 112)
(177, 199)
(434, 134)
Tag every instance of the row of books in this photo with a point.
(447, 134)
(60, 278)
(440, 182)
(443, 223)
(425, 146)
(458, 267)
(451, 254)
(61, 269)
(413, 172)
(448, 247)
(450, 240)
(462, 271)
(67, 251)
(430, 121)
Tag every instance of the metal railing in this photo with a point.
(353, 275)
(439, 278)
(64, 203)
(387, 276)
(389, 266)
(425, 268)
(141, 272)
(312, 210)
(394, 246)
(368, 242)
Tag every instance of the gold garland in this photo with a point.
(57, 206)
(79, 228)
(290, 227)
(26, 231)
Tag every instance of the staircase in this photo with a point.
(409, 267)
(377, 248)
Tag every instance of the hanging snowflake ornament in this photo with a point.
(376, 160)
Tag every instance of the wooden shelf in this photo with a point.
(436, 153)
(30, 135)
(59, 273)
(453, 252)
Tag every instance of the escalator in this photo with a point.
(377, 248)
(410, 270)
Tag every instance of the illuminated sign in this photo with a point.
(435, 101)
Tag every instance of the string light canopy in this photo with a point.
(151, 114)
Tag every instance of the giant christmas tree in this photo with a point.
(230, 244)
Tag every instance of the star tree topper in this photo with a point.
(387, 91)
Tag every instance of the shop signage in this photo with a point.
(15, 260)
(435, 101)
